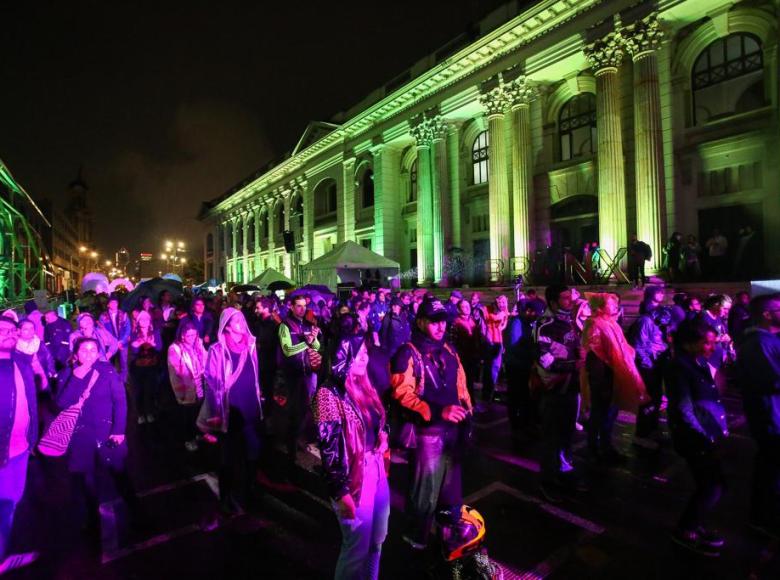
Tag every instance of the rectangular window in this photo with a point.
(366, 243)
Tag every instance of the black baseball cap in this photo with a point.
(432, 309)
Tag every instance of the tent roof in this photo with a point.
(269, 276)
(351, 255)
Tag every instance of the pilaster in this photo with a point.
(244, 247)
(346, 207)
(387, 202)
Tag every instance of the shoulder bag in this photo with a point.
(55, 441)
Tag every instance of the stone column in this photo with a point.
(642, 40)
(288, 257)
(453, 151)
(495, 103)
(223, 255)
(387, 202)
(258, 245)
(235, 223)
(271, 205)
(422, 135)
(346, 209)
(521, 93)
(440, 188)
(308, 223)
(245, 247)
(605, 57)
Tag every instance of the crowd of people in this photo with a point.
(381, 372)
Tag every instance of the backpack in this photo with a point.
(647, 251)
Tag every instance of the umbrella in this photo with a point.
(121, 283)
(152, 289)
(96, 282)
(316, 292)
(279, 285)
(174, 277)
(245, 288)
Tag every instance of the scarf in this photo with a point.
(28, 346)
(603, 337)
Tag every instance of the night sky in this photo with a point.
(168, 104)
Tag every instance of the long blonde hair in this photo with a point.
(364, 395)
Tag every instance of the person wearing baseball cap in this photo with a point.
(18, 434)
(428, 381)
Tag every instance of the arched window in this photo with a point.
(577, 126)
(325, 198)
(728, 78)
(296, 217)
(279, 217)
(250, 234)
(412, 183)
(479, 158)
(367, 188)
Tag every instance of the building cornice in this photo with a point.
(533, 23)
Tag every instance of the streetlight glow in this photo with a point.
(93, 254)
(82, 249)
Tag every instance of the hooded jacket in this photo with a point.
(220, 377)
(758, 366)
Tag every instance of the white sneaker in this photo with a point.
(191, 445)
(150, 418)
(141, 419)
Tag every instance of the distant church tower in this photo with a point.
(77, 210)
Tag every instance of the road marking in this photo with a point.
(517, 461)
(560, 513)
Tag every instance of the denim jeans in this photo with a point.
(491, 369)
(436, 479)
(13, 476)
(362, 537)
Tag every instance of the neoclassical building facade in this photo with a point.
(566, 122)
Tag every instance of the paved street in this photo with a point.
(620, 529)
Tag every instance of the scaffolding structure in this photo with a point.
(22, 267)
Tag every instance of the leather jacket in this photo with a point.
(696, 415)
(341, 438)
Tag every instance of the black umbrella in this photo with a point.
(279, 285)
(152, 289)
(245, 288)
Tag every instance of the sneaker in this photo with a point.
(150, 418)
(710, 538)
(16, 561)
(141, 419)
(690, 540)
(191, 445)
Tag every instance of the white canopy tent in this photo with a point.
(344, 264)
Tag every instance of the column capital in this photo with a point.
(495, 101)
(349, 161)
(520, 92)
(643, 37)
(421, 131)
(606, 54)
